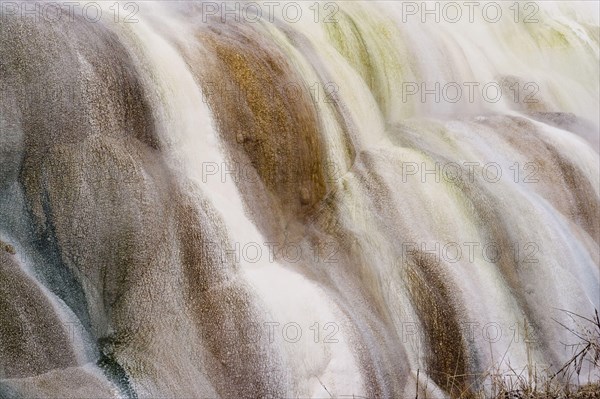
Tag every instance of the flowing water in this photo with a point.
(297, 199)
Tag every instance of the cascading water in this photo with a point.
(297, 199)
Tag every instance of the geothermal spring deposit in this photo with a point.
(309, 199)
